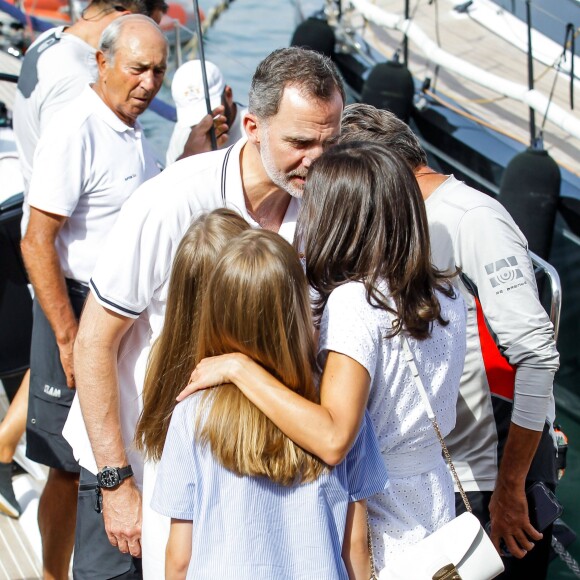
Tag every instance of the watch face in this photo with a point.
(109, 477)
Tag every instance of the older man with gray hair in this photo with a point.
(88, 162)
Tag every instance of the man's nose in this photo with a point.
(311, 155)
(148, 80)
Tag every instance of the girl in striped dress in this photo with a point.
(246, 502)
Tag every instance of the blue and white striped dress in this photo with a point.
(251, 528)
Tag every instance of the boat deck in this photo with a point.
(465, 36)
(10, 65)
(18, 560)
(20, 548)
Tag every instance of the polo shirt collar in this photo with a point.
(235, 194)
(105, 114)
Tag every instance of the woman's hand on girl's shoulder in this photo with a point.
(211, 372)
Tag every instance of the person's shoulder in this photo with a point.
(61, 51)
(184, 188)
(348, 292)
(71, 122)
(458, 195)
(451, 306)
(186, 411)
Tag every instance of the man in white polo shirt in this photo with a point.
(89, 160)
(188, 95)
(55, 70)
(296, 101)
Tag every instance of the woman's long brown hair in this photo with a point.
(257, 303)
(363, 219)
(172, 357)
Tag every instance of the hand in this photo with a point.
(66, 360)
(211, 372)
(199, 140)
(122, 516)
(508, 509)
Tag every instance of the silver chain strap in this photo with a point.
(447, 456)
(370, 546)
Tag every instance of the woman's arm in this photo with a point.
(355, 547)
(327, 430)
(178, 551)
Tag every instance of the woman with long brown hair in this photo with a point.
(363, 232)
(171, 358)
(246, 502)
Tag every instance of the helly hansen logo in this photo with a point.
(52, 391)
(505, 273)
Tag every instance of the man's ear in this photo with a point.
(251, 126)
(102, 63)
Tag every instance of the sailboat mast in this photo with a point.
(405, 39)
(531, 72)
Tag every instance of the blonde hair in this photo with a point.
(172, 356)
(257, 303)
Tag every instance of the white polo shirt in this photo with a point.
(55, 70)
(86, 165)
(132, 274)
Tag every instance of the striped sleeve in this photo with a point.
(174, 492)
(365, 469)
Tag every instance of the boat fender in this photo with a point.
(390, 86)
(316, 34)
(529, 190)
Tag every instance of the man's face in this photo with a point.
(129, 83)
(297, 135)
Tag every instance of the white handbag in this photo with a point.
(459, 550)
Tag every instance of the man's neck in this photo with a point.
(89, 29)
(266, 203)
(428, 179)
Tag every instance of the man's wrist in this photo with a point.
(111, 477)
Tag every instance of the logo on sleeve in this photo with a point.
(505, 274)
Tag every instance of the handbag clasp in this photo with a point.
(448, 572)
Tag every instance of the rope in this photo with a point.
(566, 557)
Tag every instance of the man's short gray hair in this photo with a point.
(108, 43)
(312, 73)
(362, 122)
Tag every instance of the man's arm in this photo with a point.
(95, 352)
(43, 266)
(495, 258)
(508, 507)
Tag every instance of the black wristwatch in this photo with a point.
(111, 477)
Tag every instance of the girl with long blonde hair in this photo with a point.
(171, 359)
(246, 502)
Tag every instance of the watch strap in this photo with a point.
(125, 472)
(122, 473)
